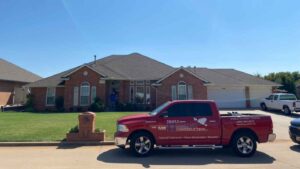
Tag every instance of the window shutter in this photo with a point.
(173, 92)
(190, 92)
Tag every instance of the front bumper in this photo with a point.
(294, 134)
(296, 109)
(271, 137)
(120, 141)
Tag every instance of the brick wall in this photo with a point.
(76, 79)
(164, 91)
(40, 93)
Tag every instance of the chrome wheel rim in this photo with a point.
(245, 145)
(142, 145)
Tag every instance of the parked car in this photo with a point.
(193, 124)
(285, 102)
(295, 130)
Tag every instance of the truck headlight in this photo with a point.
(122, 128)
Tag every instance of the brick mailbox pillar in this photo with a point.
(86, 129)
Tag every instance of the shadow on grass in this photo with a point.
(183, 157)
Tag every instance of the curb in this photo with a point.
(58, 143)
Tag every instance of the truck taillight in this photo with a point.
(294, 104)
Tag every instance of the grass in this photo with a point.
(26, 126)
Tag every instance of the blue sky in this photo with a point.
(49, 36)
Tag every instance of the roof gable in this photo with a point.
(186, 70)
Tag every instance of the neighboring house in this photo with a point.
(146, 82)
(12, 78)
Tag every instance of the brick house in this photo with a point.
(143, 81)
(12, 78)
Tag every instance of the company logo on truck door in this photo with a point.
(201, 121)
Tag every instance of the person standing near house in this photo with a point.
(113, 99)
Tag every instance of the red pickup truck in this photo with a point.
(193, 124)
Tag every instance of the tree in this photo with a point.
(289, 80)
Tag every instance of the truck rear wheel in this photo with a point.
(286, 110)
(141, 144)
(244, 144)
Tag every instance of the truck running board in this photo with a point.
(190, 147)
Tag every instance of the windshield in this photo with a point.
(158, 109)
(288, 97)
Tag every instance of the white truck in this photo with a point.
(285, 102)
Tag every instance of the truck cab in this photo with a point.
(193, 124)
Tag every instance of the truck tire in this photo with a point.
(286, 110)
(263, 107)
(141, 144)
(244, 144)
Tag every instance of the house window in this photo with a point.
(131, 82)
(84, 93)
(148, 101)
(75, 96)
(174, 92)
(50, 96)
(131, 94)
(147, 82)
(139, 82)
(140, 95)
(190, 92)
(182, 94)
(93, 93)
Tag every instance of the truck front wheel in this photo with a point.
(244, 144)
(141, 144)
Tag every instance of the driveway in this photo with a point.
(279, 155)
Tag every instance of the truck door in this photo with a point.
(269, 101)
(188, 123)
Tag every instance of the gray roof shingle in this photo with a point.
(12, 72)
(230, 77)
(119, 67)
(139, 67)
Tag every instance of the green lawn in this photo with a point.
(25, 126)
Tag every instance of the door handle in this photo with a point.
(212, 121)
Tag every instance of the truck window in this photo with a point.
(189, 110)
(270, 97)
(201, 109)
(288, 97)
(275, 97)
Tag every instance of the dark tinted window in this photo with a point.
(189, 109)
(275, 97)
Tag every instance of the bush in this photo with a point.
(29, 105)
(97, 105)
(74, 129)
(59, 103)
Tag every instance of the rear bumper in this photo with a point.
(297, 109)
(271, 137)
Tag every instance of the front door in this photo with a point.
(189, 124)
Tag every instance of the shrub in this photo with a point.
(29, 105)
(74, 129)
(97, 105)
(59, 103)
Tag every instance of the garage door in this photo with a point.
(228, 97)
(257, 93)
